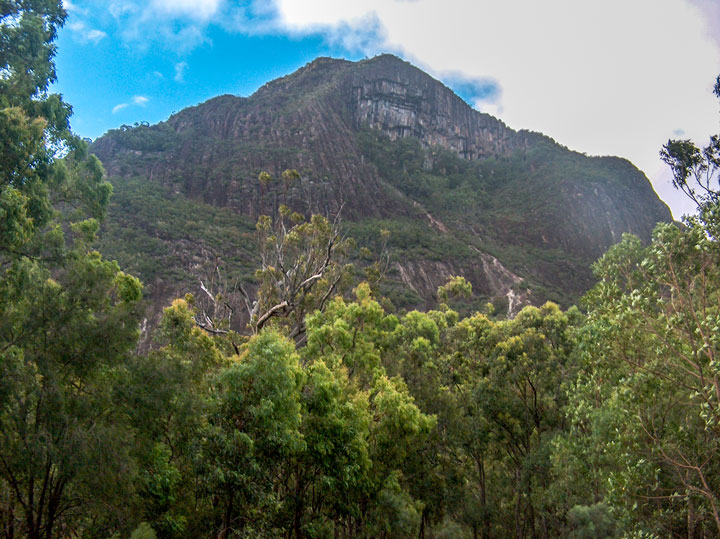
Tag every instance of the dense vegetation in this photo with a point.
(495, 206)
(330, 416)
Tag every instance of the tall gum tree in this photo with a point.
(645, 414)
(67, 317)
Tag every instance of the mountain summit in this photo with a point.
(389, 147)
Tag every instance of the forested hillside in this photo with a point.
(331, 412)
(384, 146)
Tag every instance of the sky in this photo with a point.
(618, 77)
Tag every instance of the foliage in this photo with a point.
(68, 317)
(644, 434)
(301, 267)
(652, 343)
(155, 227)
(695, 169)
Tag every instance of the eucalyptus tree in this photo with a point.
(646, 411)
(67, 316)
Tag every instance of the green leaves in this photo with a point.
(27, 30)
(69, 318)
(646, 412)
(261, 392)
(695, 170)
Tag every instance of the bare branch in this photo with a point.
(270, 313)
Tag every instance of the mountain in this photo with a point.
(389, 147)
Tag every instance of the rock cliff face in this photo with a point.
(402, 101)
(518, 215)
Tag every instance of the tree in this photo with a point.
(253, 427)
(164, 395)
(68, 317)
(350, 338)
(301, 268)
(299, 271)
(646, 410)
(513, 407)
(35, 131)
(312, 441)
(654, 385)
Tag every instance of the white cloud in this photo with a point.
(72, 8)
(195, 9)
(86, 35)
(122, 8)
(95, 35)
(180, 68)
(151, 25)
(175, 24)
(181, 25)
(613, 77)
(139, 100)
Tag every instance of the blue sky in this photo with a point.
(112, 80)
(616, 77)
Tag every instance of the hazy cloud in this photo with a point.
(122, 8)
(483, 93)
(710, 10)
(95, 35)
(179, 25)
(72, 8)
(139, 100)
(85, 34)
(194, 9)
(180, 68)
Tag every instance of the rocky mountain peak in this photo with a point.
(518, 215)
(396, 98)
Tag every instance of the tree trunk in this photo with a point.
(227, 518)
(518, 504)
(691, 519)
(480, 462)
(297, 520)
(10, 522)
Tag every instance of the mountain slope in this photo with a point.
(461, 193)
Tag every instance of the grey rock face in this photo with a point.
(402, 101)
